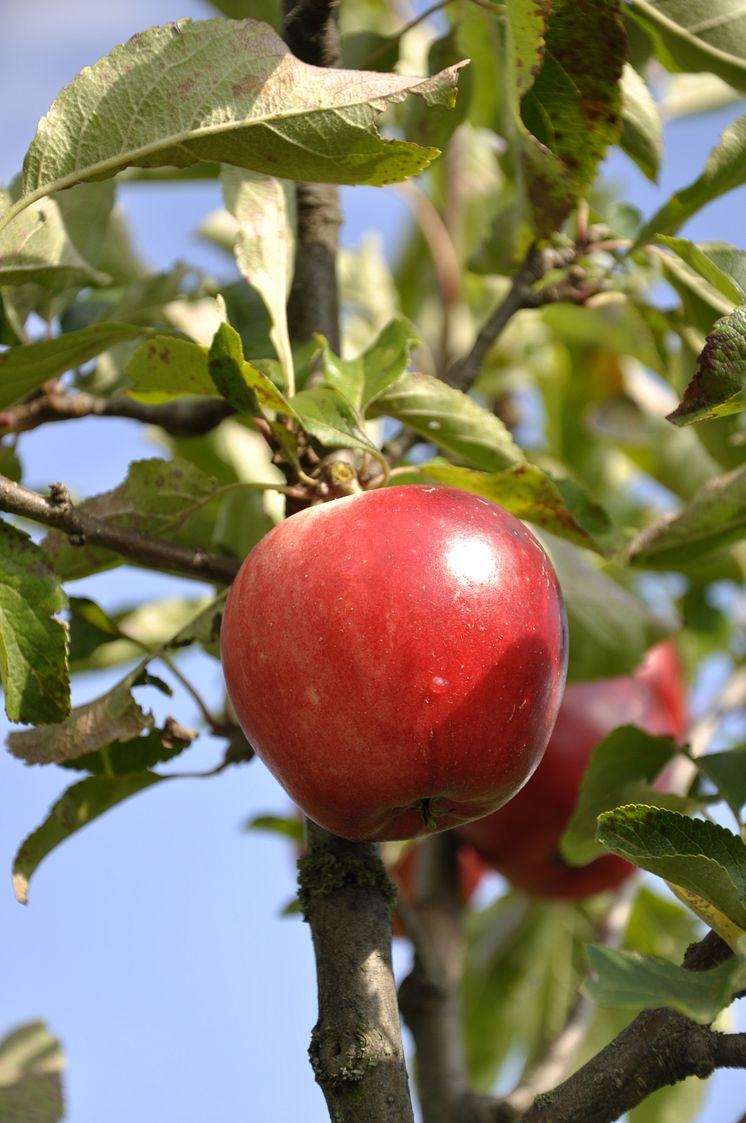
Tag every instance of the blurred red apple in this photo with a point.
(397, 658)
(520, 840)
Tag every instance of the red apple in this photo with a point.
(520, 840)
(397, 658)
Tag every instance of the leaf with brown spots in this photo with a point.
(226, 91)
(719, 386)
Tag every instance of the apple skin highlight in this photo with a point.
(397, 658)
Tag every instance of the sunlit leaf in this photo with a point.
(264, 209)
(701, 857)
(450, 419)
(642, 129)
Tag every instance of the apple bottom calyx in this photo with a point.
(431, 812)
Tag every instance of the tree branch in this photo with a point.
(430, 996)
(184, 417)
(356, 1048)
(657, 1048)
(310, 30)
(58, 512)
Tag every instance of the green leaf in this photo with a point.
(24, 368)
(165, 367)
(521, 975)
(727, 771)
(725, 169)
(700, 857)
(224, 91)
(31, 1064)
(524, 490)
(328, 417)
(714, 519)
(633, 981)
(620, 770)
(37, 248)
(610, 628)
(33, 642)
(450, 419)
(78, 806)
(225, 364)
(287, 828)
(687, 37)
(156, 499)
(527, 25)
(114, 716)
(719, 386)
(384, 361)
(572, 112)
(642, 130)
(264, 209)
(721, 265)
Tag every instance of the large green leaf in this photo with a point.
(31, 1064)
(633, 981)
(33, 640)
(715, 518)
(727, 771)
(690, 37)
(703, 859)
(24, 368)
(329, 417)
(75, 808)
(719, 385)
(724, 170)
(225, 91)
(450, 419)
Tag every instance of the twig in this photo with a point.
(185, 417)
(58, 512)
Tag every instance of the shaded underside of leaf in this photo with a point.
(226, 91)
(687, 41)
(77, 807)
(633, 981)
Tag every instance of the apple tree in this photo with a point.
(534, 341)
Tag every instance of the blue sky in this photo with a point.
(152, 944)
